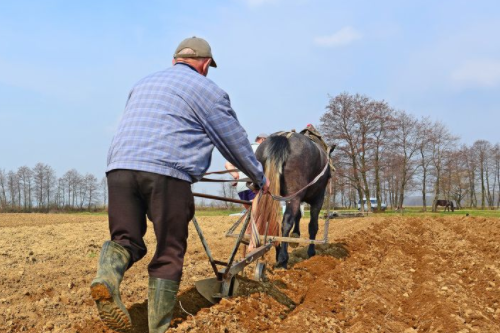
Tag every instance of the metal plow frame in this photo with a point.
(268, 238)
(225, 284)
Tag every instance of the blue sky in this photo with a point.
(66, 67)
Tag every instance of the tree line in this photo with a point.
(381, 152)
(38, 189)
(388, 154)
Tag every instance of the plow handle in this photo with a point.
(214, 197)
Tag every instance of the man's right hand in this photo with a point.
(265, 188)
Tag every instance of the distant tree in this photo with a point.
(441, 143)
(72, 180)
(3, 189)
(12, 183)
(91, 189)
(484, 153)
(39, 180)
(425, 153)
(227, 191)
(25, 175)
(496, 172)
(406, 144)
(104, 191)
(385, 124)
(340, 125)
(50, 179)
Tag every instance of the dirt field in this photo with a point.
(379, 274)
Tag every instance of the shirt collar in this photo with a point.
(188, 65)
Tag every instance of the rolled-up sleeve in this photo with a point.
(230, 138)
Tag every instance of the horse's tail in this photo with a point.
(276, 153)
(266, 210)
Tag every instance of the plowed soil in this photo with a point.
(378, 274)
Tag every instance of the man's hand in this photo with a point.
(265, 188)
(236, 176)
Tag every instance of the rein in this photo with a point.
(211, 180)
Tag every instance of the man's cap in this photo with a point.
(200, 47)
(262, 135)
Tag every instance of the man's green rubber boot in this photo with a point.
(113, 263)
(161, 301)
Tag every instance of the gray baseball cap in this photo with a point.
(200, 47)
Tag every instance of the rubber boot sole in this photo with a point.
(110, 312)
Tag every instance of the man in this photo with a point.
(172, 121)
(241, 188)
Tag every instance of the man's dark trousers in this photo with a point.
(168, 202)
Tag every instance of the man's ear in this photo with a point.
(206, 65)
(173, 61)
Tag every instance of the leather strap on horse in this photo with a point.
(225, 180)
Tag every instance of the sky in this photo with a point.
(66, 67)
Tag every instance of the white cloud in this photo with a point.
(477, 74)
(344, 36)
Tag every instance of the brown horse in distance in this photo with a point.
(447, 204)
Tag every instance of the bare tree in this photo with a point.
(104, 191)
(441, 142)
(384, 127)
(455, 176)
(406, 144)
(25, 175)
(91, 189)
(227, 191)
(482, 147)
(50, 179)
(469, 157)
(340, 124)
(72, 181)
(39, 179)
(3, 189)
(12, 183)
(425, 153)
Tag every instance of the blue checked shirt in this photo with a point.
(172, 121)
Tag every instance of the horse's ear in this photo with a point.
(332, 148)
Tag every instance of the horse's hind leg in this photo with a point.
(296, 228)
(292, 215)
(313, 223)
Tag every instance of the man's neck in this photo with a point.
(186, 64)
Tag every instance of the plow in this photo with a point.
(225, 283)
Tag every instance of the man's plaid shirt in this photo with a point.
(172, 121)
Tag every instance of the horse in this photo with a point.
(447, 204)
(297, 161)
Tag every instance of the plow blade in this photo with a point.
(213, 290)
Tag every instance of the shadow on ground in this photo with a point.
(336, 250)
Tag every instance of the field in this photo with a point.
(382, 273)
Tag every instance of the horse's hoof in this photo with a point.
(280, 266)
(311, 252)
(294, 235)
